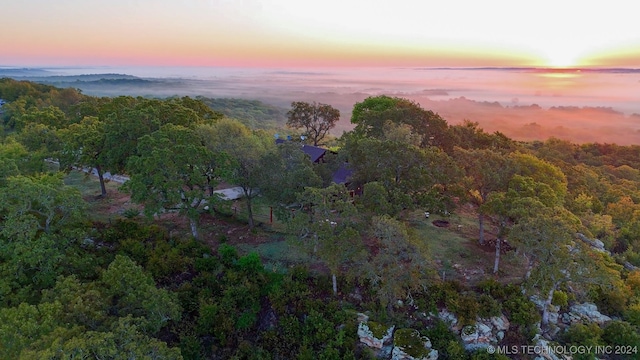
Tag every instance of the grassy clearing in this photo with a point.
(100, 208)
(453, 248)
(87, 184)
(277, 255)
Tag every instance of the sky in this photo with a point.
(297, 33)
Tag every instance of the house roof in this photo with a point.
(342, 175)
(314, 152)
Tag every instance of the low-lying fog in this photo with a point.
(525, 104)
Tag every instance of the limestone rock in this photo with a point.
(448, 318)
(410, 345)
(501, 323)
(374, 335)
(541, 343)
(588, 311)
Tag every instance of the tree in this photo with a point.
(15, 159)
(397, 268)
(38, 203)
(174, 171)
(288, 171)
(246, 150)
(411, 175)
(133, 292)
(547, 241)
(525, 198)
(315, 119)
(371, 115)
(38, 217)
(128, 119)
(84, 145)
(328, 226)
(487, 171)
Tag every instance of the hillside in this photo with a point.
(444, 241)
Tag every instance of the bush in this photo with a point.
(443, 339)
(621, 333)
(466, 308)
(632, 314)
(582, 335)
(560, 298)
(489, 306)
(131, 213)
(520, 310)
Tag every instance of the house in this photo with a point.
(316, 154)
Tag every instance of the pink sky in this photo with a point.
(283, 33)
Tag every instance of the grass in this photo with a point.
(277, 255)
(102, 209)
(455, 250)
(88, 184)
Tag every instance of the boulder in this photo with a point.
(589, 312)
(547, 354)
(408, 344)
(477, 337)
(375, 335)
(448, 318)
(501, 323)
(594, 243)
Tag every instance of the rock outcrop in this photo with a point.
(594, 243)
(408, 344)
(388, 343)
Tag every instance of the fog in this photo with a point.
(525, 104)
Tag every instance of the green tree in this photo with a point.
(315, 119)
(371, 115)
(128, 119)
(134, 293)
(328, 227)
(39, 203)
(246, 150)
(84, 145)
(411, 175)
(20, 326)
(397, 269)
(487, 171)
(174, 171)
(547, 239)
(15, 159)
(288, 171)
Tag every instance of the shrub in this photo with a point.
(632, 314)
(621, 333)
(582, 335)
(560, 298)
(131, 213)
(520, 310)
(488, 306)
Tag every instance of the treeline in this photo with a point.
(71, 286)
(253, 113)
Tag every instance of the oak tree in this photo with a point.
(316, 119)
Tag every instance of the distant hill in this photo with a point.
(253, 113)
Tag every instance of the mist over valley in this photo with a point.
(591, 105)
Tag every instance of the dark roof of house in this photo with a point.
(342, 175)
(314, 152)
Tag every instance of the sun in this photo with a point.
(561, 57)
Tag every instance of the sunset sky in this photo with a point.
(295, 33)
